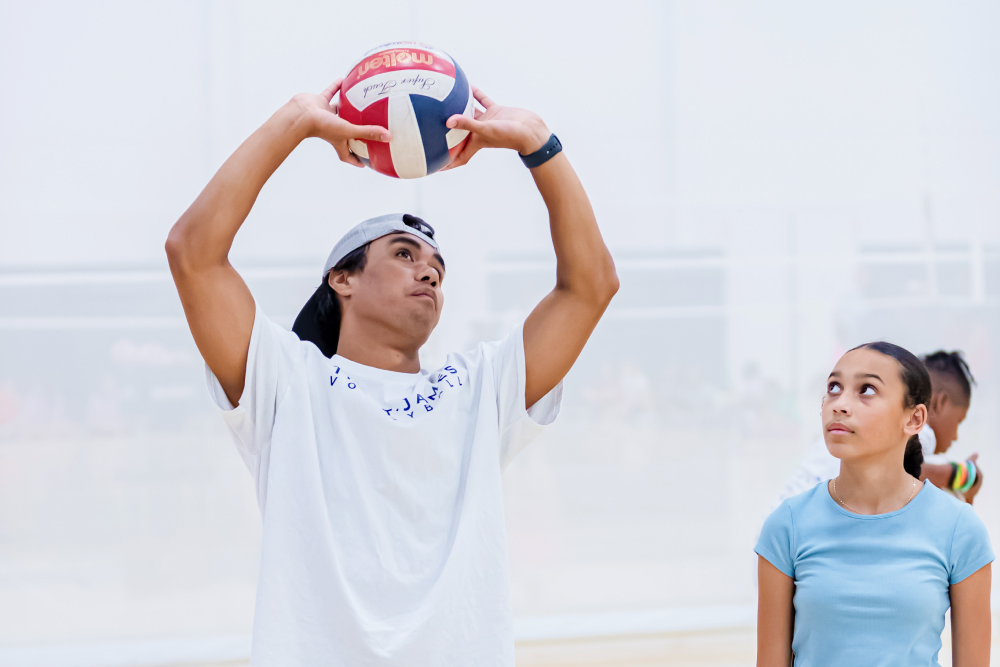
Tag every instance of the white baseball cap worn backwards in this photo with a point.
(376, 228)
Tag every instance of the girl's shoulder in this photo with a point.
(960, 533)
(944, 507)
(800, 509)
(809, 500)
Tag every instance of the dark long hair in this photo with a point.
(319, 320)
(917, 381)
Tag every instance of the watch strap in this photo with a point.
(551, 148)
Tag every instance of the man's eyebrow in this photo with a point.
(403, 237)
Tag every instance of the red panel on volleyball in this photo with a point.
(377, 113)
(391, 60)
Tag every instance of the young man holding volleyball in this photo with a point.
(379, 482)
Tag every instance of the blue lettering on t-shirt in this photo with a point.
(436, 392)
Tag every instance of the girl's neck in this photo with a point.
(874, 486)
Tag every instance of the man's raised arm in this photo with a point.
(217, 303)
(559, 326)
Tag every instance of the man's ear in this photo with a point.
(916, 421)
(342, 282)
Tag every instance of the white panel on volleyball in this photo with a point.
(455, 136)
(358, 147)
(435, 85)
(406, 145)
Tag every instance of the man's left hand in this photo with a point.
(498, 127)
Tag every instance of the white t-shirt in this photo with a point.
(384, 540)
(819, 465)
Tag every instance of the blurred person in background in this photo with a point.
(861, 570)
(951, 383)
(379, 482)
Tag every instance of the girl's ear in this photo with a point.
(918, 417)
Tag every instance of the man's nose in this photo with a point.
(428, 275)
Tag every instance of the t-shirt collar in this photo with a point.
(355, 369)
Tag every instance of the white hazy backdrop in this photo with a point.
(777, 182)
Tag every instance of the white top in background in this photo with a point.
(384, 540)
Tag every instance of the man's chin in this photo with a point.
(419, 327)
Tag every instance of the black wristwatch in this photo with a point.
(551, 148)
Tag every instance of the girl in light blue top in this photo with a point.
(859, 571)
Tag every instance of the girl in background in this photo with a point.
(861, 570)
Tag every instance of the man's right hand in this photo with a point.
(217, 303)
(321, 114)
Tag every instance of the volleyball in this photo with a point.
(411, 89)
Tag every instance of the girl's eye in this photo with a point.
(868, 390)
(833, 388)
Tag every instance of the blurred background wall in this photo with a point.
(778, 182)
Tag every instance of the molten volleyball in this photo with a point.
(411, 89)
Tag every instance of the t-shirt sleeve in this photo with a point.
(970, 546)
(776, 540)
(270, 362)
(518, 426)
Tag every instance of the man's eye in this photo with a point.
(868, 390)
(833, 388)
(403, 253)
